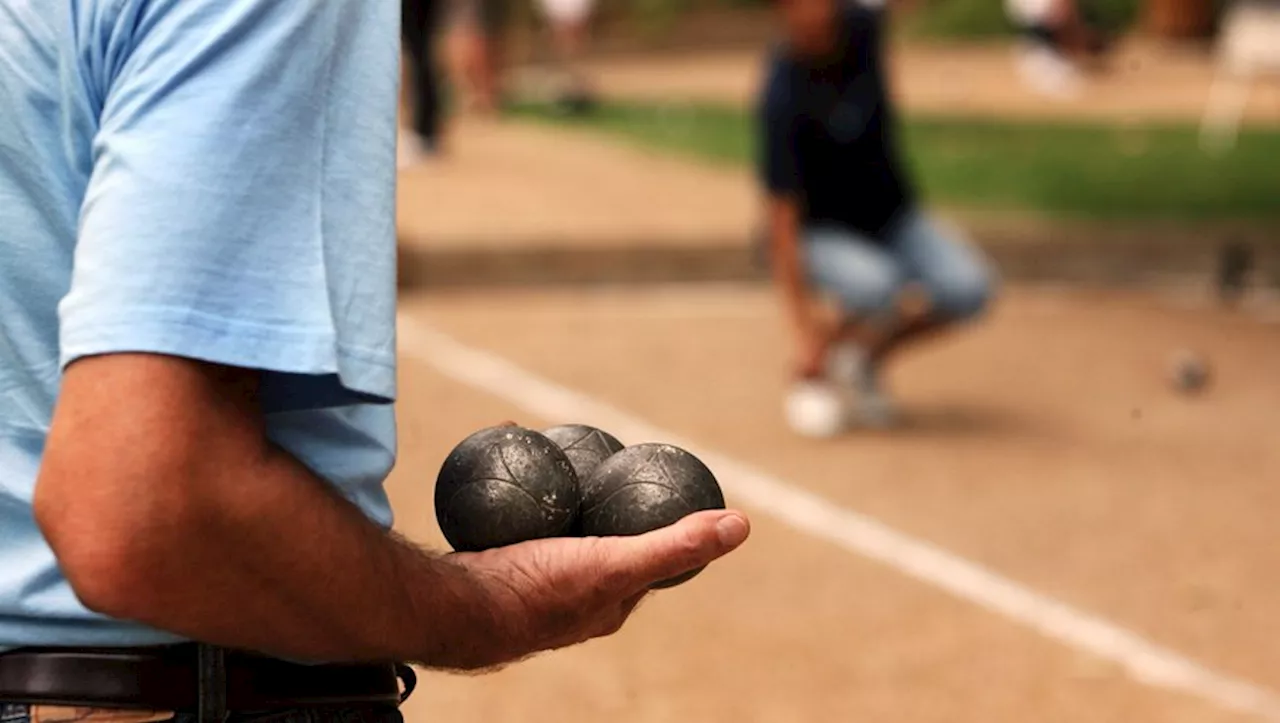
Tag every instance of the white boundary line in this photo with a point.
(806, 512)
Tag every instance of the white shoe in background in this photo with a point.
(875, 409)
(816, 408)
(867, 404)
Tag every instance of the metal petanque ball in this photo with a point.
(505, 485)
(1189, 372)
(645, 488)
(586, 447)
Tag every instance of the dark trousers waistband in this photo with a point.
(204, 680)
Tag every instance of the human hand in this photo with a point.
(553, 593)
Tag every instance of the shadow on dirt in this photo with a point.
(955, 420)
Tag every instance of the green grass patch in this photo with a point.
(1057, 169)
(958, 20)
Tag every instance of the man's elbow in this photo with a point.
(115, 552)
(109, 580)
(134, 473)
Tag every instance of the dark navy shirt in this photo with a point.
(828, 132)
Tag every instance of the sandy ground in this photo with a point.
(509, 183)
(1045, 445)
(1139, 83)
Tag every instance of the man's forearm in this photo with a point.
(166, 504)
(283, 565)
(788, 268)
(791, 284)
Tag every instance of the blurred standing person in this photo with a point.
(844, 219)
(419, 28)
(1056, 38)
(570, 31)
(476, 36)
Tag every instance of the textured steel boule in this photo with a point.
(505, 485)
(645, 488)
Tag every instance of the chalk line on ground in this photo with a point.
(814, 515)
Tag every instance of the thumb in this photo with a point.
(693, 542)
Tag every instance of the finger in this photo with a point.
(691, 543)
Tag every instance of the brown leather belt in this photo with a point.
(182, 678)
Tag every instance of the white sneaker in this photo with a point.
(875, 409)
(847, 364)
(815, 408)
(867, 403)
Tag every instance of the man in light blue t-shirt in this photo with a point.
(197, 363)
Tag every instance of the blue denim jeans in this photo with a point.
(866, 275)
(363, 714)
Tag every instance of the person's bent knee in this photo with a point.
(854, 272)
(869, 299)
(962, 298)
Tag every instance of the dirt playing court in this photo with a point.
(1046, 447)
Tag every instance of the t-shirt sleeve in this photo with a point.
(240, 207)
(779, 167)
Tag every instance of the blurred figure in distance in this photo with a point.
(475, 52)
(844, 220)
(1057, 39)
(420, 26)
(570, 27)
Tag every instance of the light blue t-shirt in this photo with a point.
(213, 179)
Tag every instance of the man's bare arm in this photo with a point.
(166, 504)
(811, 330)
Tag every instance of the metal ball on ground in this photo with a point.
(645, 488)
(1235, 261)
(505, 485)
(1189, 372)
